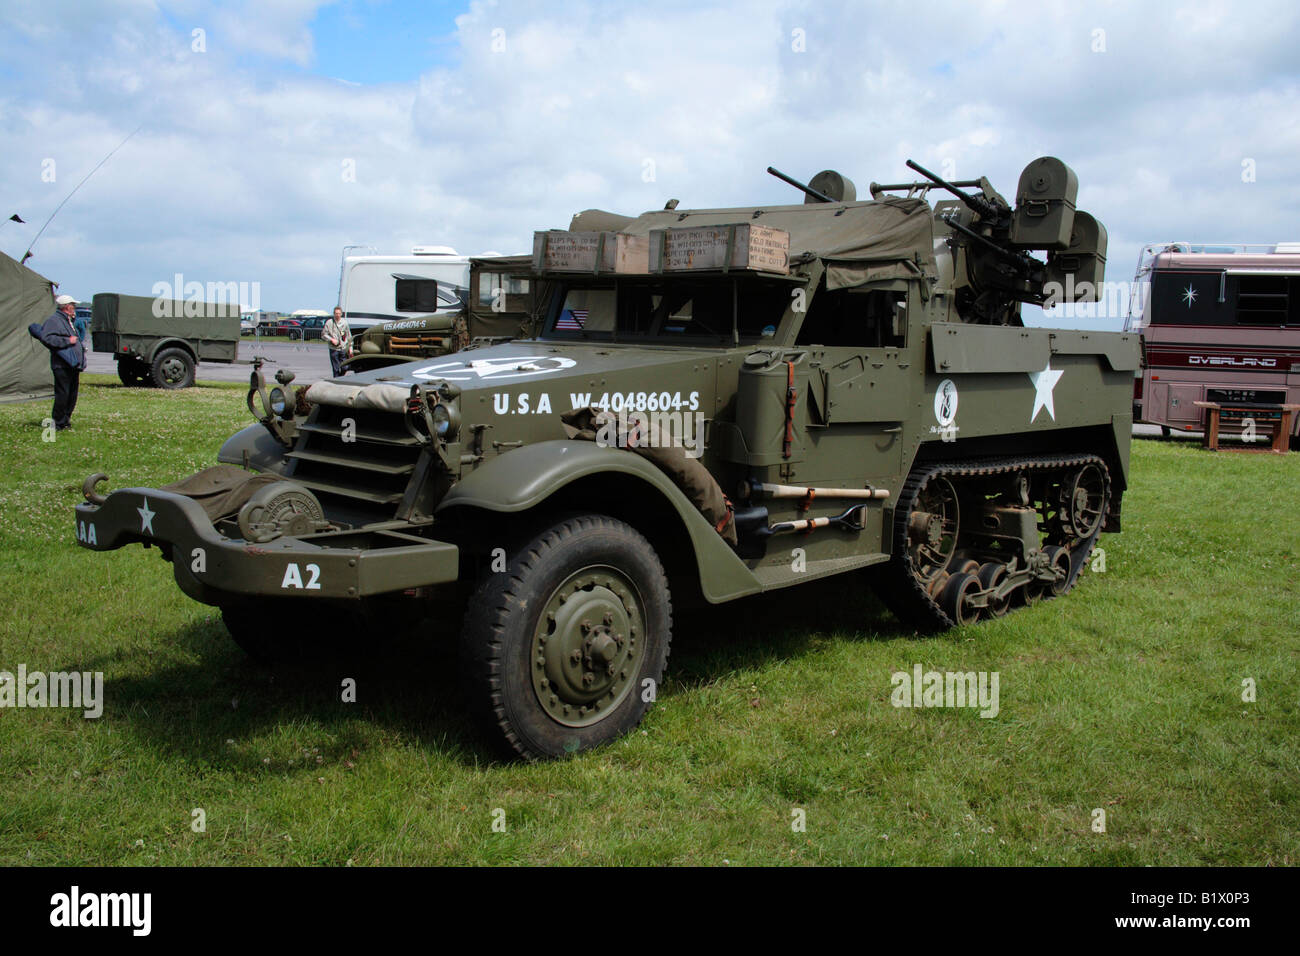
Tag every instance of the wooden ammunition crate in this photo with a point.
(720, 248)
(593, 252)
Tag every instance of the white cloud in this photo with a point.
(238, 172)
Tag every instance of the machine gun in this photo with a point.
(991, 244)
(983, 207)
(987, 265)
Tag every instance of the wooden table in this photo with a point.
(1277, 417)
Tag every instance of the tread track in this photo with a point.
(899, 588)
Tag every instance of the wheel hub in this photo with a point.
(587, 648)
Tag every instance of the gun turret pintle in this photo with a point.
(977, 204)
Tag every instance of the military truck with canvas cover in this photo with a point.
(717, 403)
(160, 342)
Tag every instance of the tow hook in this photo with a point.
(88, 488)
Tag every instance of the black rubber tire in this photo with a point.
(129, 373)
(281, 631)
(294, 335)
(264, 634)
(991, 574)
(496, 643)
(167, 373)
(953, 598)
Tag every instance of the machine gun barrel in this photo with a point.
(1017, 259)
(978, 203)
(820, 197)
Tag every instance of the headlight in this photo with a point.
(446, 422)
(279, 402)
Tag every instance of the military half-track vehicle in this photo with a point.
(717, 403)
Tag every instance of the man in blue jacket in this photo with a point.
(67, 358)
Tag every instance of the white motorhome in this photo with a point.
(375, 288)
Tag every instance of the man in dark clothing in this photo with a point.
(67, 358)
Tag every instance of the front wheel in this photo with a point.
(564, 649)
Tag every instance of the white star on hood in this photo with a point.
(146, 518)
(1044, 382)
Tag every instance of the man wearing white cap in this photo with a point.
(67, 358)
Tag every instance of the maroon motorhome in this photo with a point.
(1219, 323)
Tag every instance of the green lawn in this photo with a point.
(1125, 696)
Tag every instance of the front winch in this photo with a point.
(282, 508)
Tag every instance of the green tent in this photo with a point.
(25, 297)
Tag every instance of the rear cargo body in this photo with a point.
(138, 325)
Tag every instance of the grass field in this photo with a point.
(1125, 696)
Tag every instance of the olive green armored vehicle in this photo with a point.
(716, 403)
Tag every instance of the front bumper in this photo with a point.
(214, 569)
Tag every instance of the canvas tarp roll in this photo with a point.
(25, 297)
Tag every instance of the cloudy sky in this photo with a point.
(273, 132)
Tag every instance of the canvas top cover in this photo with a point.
(859, 242)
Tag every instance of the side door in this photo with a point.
(862, 380)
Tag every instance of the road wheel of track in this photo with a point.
(990, 576)
(172, 368)
(565, 649)
(1059, 559)
(955, 598)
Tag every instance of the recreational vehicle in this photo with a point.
(377, 288)
(1220, 323)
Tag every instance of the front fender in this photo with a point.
(161, 344)
(256, 448)
(525, 477)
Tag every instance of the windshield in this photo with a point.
(695, 312)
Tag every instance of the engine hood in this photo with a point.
(535, 363)
(521, 388)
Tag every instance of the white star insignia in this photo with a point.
(1044, 382)
(146, 518)
(1189, 295)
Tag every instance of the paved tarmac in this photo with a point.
(309, 363)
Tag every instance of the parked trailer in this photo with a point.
(161, 341)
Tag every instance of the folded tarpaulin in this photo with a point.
(222, 489)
